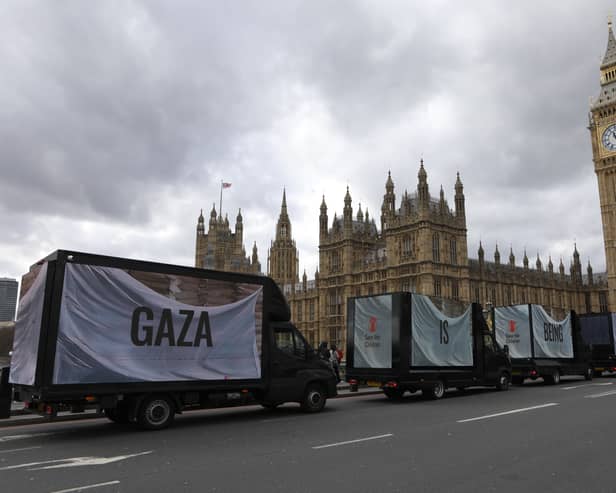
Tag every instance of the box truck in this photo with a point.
(598, 333)
(142, 341)
(404, 342)
(540, 346)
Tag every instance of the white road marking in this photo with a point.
(10, 438)
(513, 411)
(18, 449)
(602, 394)
(87, 487)
(586, 385)
(73, 462)
(353, 441)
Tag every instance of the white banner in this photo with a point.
(28, 331)
(114, 328)
(512, 327)
(552, 338)
(372, 332)
(439, 340)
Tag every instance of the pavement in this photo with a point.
(20, 416)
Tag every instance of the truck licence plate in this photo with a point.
(373, 383)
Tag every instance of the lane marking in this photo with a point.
(378, 437)
(87, 487)
(73, 462)
(586, 385)
(10, 438)
(513, 411)
(602, 394)
(18, 449)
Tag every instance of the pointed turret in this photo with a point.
(525, 260)
(201, 223)
(423, 193)
(460, 212)
(550, 265)
(589, 273)
(255, 255)
(561, 268)
(323, 221)
(213, 215)
(511, 257)
(389, 202)
(347, 216)
(496, 255)
(360, 214)
(441, 202)
(239, 229)
(480, 253)
(283, 227)
(538, 263)
(608, 72)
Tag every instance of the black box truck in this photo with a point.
(142, 341)
(540, 346)
(598, 333)
(404, 342)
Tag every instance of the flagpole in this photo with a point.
(220, 209)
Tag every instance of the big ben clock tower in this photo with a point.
(602, 128)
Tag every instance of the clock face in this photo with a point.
(609, 138)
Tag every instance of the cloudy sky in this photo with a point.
(119, 119)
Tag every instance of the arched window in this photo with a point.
(436, 254)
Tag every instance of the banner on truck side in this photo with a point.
(372, 332)
(552, 338)
(512, 327)
(439, 340)
(595, 329)
(28, 327)
(115, 328)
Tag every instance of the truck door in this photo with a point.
(290, 355)
(493, 357)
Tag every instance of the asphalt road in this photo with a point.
(534, 438)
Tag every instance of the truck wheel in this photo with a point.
(553, 378)
(437, 391)
(503, 382)
(588, 374)
(314, 399)
(394, 394)
(156, 412)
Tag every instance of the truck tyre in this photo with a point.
(314, 398)
(437, 391)
(503, 381)
(155, 412)
(394, 394)
(553, 378)
(588, 374)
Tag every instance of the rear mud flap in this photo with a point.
(6, 394)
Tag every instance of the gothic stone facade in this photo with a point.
(222, 249)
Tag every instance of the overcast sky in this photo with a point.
(119, 119)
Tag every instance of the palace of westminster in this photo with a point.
(421, 246)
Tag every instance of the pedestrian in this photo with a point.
(323, 352)
(335, 362)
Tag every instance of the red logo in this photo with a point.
(511, 325)
(372, 324)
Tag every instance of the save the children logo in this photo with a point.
(372, 339)
(511, 326)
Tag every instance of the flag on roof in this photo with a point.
(226, 184)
